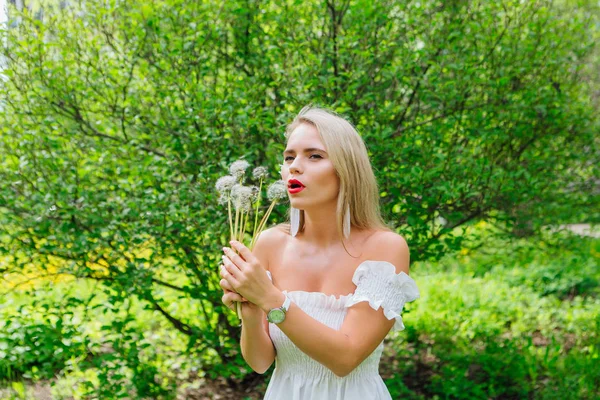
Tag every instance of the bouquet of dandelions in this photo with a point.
(246, 201)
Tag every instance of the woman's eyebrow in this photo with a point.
(307, 150)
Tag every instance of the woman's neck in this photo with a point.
(320, 226)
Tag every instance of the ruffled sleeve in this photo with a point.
(378, 284)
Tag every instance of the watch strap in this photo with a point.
(286, 304)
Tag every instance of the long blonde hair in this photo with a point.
(348, 154)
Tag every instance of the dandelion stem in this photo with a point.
(235, 226)
(241, 229)
(262, 224)
(238, 309)
(230, 221)
(256, 212)
(245, 223)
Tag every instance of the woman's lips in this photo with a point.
(295, 190)
(295, 186)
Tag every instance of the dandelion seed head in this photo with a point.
(235, 190)
(245, 204)
(277, 191)
(225, 183)
(241, 197)
(255, 192)
(238, 168)
(223, 199)
(260, 172)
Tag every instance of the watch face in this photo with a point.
(276, 316)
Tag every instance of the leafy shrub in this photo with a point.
(487, 326)
(37, 349)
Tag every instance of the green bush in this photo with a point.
(36, 349)
(475, 335)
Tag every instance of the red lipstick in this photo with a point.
(295, 186)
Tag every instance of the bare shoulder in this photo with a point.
(268, 241)
(389, 246)
(271, 236)
(386, 241)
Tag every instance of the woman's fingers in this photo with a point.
(233, 257)
(228, 270)
(227, 288)
(225, 285)
(226, 300)
(243, 250)
(231, 297)
(222, 271)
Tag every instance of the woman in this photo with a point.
(339, 276)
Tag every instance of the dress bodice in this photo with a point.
(329, 310)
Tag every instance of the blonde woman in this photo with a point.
(337, 278)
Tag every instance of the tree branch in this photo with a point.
(413, 95)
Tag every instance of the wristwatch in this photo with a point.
(277, 315)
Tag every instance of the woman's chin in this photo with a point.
(301, 205)
(296, 204)
(304, 205)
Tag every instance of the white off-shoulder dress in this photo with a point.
(299, 377)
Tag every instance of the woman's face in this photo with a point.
(307, 162)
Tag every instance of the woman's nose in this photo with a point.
(295, 166)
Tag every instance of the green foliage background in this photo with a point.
(120, 116)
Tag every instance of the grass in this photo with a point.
(512, 319)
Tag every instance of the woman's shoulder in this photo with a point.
(269, 241)
(386, 245)
(383, 239)
(273, 235)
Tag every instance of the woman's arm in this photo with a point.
(255, 343)
(362, 331)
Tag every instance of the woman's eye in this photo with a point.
(315, 155)
(288, 158)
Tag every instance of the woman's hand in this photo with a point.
(246, 276)
(230, 296)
